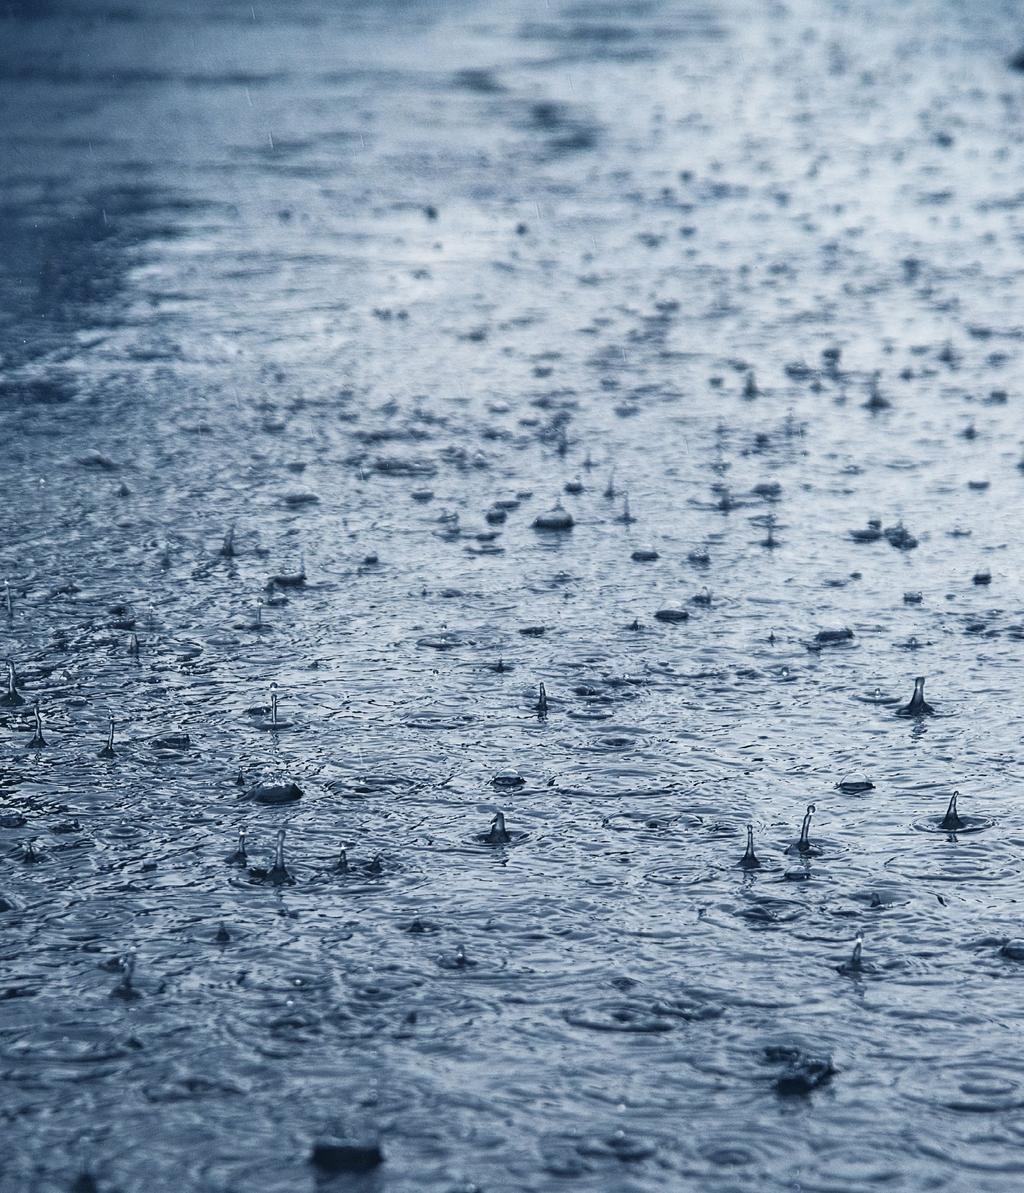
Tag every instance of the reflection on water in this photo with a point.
(477, 477)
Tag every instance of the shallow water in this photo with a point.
(349, 277)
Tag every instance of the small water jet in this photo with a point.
(108, 749)
(803, 844)
(855, 963)
(37, 739)
(274, 721)
(125, 988)
(750, 860)
(279, 875)
(257, 625)
(456, 960)
(497, 834)
(951, 821)
(29, 854)
(238, 857)
(12, 698)
(918, 706)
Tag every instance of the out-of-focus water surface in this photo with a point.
(377, 285)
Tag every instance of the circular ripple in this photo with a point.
(981, 1086)
(968, 824)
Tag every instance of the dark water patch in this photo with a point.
(640, 1015)
(769, 911)
(64, 268)
(479, 81)
(561, 128)
(682, 872)
(365, 786)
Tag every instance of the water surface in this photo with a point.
(377, 286)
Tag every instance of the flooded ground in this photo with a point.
(352, 294)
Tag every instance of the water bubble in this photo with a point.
(855, 783)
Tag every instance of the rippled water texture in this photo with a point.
(351, 295)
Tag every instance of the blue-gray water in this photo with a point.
(345, 276)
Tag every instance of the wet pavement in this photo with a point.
(410, 356)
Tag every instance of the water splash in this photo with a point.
(918, 706)
(108, 749)
(37, 740)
